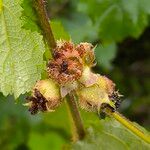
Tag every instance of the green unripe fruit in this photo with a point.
(97, 90)
(45, 96)
(48, 88)
(91, 98)
(106, 84)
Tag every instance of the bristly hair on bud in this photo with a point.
(102, 93)
(45, 97)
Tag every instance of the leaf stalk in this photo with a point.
(127, 123)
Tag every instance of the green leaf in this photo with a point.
(117, 19)
(53, 133)
(80, 27)
(55, 120)
(20, 130)
(14, 123)
(21, 52)
(110, 134)
(105, 53)
(0, 6)
(29, 16)
(45, 141)
(59, 31)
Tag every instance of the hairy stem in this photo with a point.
(124, 121)
(77, 122)
(44, 22)
(48, 34)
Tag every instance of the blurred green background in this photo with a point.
(121, 31)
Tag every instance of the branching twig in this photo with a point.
(48, 34)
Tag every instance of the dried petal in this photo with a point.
(88, 78)
(64, 90)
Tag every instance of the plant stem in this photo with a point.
(77, 121)
(48, 34)
(130, 126)
(124, 121)
(45, 23)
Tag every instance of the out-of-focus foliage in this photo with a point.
(103, 55)
(29, 16)
(117, 19)
(118, 137)
(0, 5)
(121, 31)
(20, 130)
(59, 32)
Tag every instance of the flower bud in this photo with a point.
(45, 96)
(92, 98)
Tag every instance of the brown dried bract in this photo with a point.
(116, 98)
(86, 51)
(65, 49)
(37, 102)
(67, 65)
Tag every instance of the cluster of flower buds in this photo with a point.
(70, 70)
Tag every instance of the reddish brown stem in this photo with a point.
(77, 122)
(48, 34)
(45, 23)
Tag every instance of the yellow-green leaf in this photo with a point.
(0, 6)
